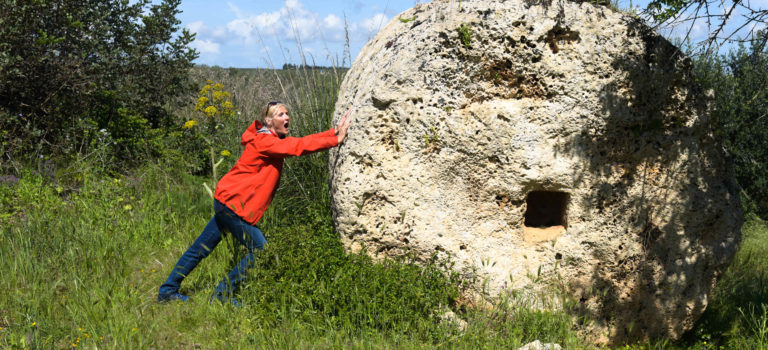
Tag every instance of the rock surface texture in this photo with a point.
(535, 144)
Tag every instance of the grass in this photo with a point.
(82, 254)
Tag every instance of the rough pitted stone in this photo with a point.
(538, 345)
(575, 116)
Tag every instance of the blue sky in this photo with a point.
(241, 33)
(248, 34)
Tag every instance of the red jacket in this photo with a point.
(249, 186)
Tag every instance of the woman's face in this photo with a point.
(279, 122)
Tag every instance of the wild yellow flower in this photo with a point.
(218, 96)
(218, 86)
(225, 153)
(189, 124)
(201, 102)
(210, 111)
(227, 105)
(34, 324)
(127, 207)
(209, 81)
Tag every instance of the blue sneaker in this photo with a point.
(171, 297)
(225, 300)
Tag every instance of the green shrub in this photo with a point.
(740, 82)
(72, 71)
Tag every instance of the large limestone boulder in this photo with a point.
(536, 143)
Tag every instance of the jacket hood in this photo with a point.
(253, 130)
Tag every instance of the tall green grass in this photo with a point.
(737, 315)
(82, 263)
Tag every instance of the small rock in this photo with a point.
(451, 317)
(538, 345)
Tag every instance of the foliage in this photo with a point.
(740, 82)
(431, 140)
(72, 71)
(662, 10)
(308, 268)
(465, 35)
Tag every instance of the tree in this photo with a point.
(72, 70)
(717, 16)
(740, 81)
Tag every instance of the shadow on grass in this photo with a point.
(740, 293)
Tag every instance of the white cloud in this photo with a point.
(206, 46)
(292, 21)
(333, 22)
(219, 33)
(235, 9)
(373, 24)
(241, 27)
(322, 35)
(334, 28)
(198, 27)
(293, 4)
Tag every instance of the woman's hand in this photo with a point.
(342, 126)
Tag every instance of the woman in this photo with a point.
(244, 193)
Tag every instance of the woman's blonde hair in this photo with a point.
(269, 111)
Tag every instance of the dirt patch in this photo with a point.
(559, 35)
(510, 82)
(542, 234)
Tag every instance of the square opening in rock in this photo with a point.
(546, 209)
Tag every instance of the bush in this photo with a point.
(72, 71)
(740, 82)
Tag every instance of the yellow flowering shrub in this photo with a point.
(210, 111)
(214, 102)
(213, 107)
(202, 101)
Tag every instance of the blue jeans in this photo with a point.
(223, 220)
